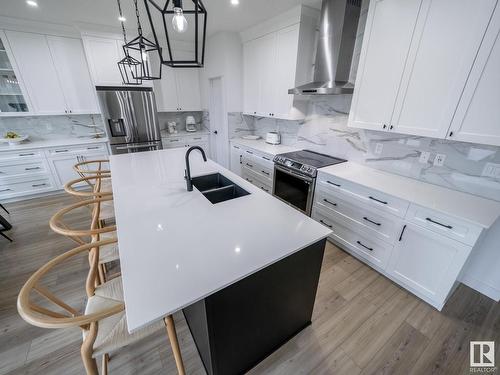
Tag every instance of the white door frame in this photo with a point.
(221, 140)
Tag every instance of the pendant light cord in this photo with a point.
(123, 24)
(139, 27)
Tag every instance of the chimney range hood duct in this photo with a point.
(337, 36)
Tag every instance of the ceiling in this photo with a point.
(222, 16)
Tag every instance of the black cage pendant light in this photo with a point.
(144, 46)
(173, 13)
(128, 66)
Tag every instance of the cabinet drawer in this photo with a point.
(22, 168)
(197, 139)
(364, 195)
(443, 224)
(172, 142)
(15, 188)
(373, 251)
(76, 150)
(21, 155)
(372, 222)
(258, 165)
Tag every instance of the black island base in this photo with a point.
(237, 327)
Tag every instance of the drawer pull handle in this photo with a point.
(38, 185)
(266, 173)
(236, 147)
(327, 201)
(377, 200)
(174, 140)
(402, 232)
(366, 247)
(333, 183)
(263, 188)
(250, 165)
(328, 225)
(438, 223)
(93, 148)
(1, 191)
(249, 180)
(266, 158)
(32, 168)
(29, 154)
(61, 151)
(249, 152)
(371, 221)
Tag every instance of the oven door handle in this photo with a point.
(291, 173)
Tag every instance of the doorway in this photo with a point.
(218, 122)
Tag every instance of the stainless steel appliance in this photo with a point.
(130, 118)
(295, 177)
(335, 48)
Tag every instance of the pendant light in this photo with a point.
(128, 66)
(174, 12)
(143, 46)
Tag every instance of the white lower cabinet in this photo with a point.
(419, 248)
(35, 171)
(427, 263)
(186, 141)
(236, 159)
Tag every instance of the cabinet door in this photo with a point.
(250, 77)
(13, 98)
(477, 118)
(447, 37)
(35, 63)
(236, 159)
(72, 69)
(287, 42)
(427, 263)
(63, 168)
(188, 89)
(166, 90)
(266, 52)
(103, 55)
(387, 38)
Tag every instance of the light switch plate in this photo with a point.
(378, 148)
(439, 160)
(491, 170)
(424, 157)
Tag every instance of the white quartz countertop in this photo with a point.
(176, 247)
(477, 210)
(262, 146)
(47, 143)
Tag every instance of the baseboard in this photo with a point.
(481, 287)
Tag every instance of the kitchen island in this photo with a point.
(244, 271)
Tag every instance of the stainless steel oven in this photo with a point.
(294, 188)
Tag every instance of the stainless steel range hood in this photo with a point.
(337, 36)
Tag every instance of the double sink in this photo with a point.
(218, 188)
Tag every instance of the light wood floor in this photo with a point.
(362, 323)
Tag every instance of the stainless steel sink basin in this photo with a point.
(217, 188)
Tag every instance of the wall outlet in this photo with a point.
(439, 160)
(491, 170)
(378, 148)
(424, 157)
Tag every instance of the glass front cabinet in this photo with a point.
(12, 98)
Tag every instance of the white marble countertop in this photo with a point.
(176, 247)
(184, 133)
(261, 145)
(47, 143)
(477, 210)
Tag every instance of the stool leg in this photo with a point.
(3, 208)
(5, 236)
(172, 335)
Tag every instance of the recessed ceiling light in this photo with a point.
(121, 19)
(32, 3)
(235, 2)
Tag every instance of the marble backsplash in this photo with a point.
(325, 130)
(54, 127)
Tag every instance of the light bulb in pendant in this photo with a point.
(144, 56)
(179, 22)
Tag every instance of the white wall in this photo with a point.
(224, 57)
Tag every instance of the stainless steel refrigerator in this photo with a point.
(130, 118)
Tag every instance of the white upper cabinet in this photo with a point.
(103, 55)
(477, 118)
(387, 38)
(178, 89)
(74, 77)
(415, 61)
(448, 36)
(36, 66)
(272, 64)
